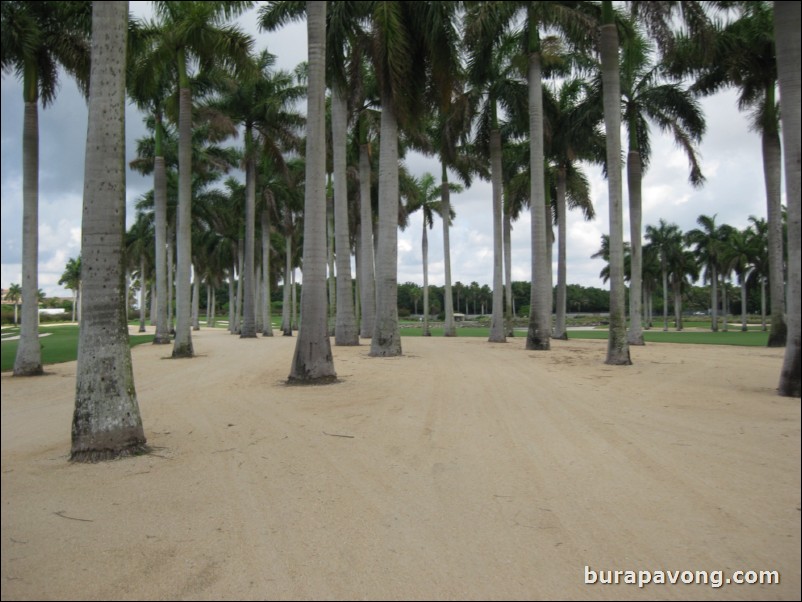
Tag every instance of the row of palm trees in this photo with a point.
(410, 54)
(673, 261)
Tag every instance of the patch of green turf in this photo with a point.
(61, 345)
(750, 338)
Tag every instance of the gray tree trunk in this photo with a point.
(497, 334)
(772, 171)
(367, 286)
(28, 361)
(162, 336)
(195, 299)
(182, 346)
(106, 421)
(267, 318)
(539, 334)
(248, 324)
(743, 304)
(231, 301)
(617, 345)
(787, 35)
(312, 361)
(634, 179)
(142, 293)
(509, 312)
(386, 340)
(170, 278)
(346, 332)
(286, 311)
(331, 280)
(425, 255)
(449, 327)
(714, 299)
(559, 324)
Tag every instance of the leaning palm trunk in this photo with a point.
(539, 334)
(634, 175)
(106, 421)
(182, 346)
(367, 288)
(267, 318)
(617, 345)
(346, 332)
(28, 361)
(162, 336)
(787, 36)
(772, 161)
(386, 340)
(559, 323)
(313, 362)
(497, 334)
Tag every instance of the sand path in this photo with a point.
(461, 470)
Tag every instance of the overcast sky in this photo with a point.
(731, 162)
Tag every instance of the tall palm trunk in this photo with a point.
(743, 303)
(714, 298)
(195, 298)
(170, 278)
(182, 346)
(28, 361)
(240, 279)
(331, 280)
(617, 345)
(559, 323)
(346, 332)
(665, 296)
(772, 171)
(425, 255)
(538, 337)
(231, 300)
(449, 328)
(787, 36)
(386, 340)
(142, 290)
(267, 318)
(248, 330)
(634, 179)
(312, 361)
(497, 334)
(286, 317)
(162, 336)
(509, 314)
(367, 288)
(106, 421)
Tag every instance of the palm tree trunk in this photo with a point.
(367, 286)
(386, 340)
(449, 328)
(714, 299)
(508, 310)
(743, 304)
(28, 361)
(634, 176)
(497, 334)
(213, 318)
(248, 329)
(763, 304)
(313, 362)
(142, 289)
(170, 278)
(725, 310)
(665, 299)
(617, 345)
(346, 332)
(772, 162)
(538, 337)
(559, 326)
(106, 421)
(331, 280)
(286, 311)
(231, 300)
(162, 336)
(182, 346)
(195, 298)
(240, 280)
(267, 318)
(787, 36)
(425, 255)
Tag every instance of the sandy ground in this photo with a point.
(461, 470)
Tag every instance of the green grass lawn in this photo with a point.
(61, 344)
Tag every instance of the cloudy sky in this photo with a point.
(731, 162)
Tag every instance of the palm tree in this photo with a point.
(193, 31)
(312, 362)
(428, 200)
(14, 294)
(667, 240)
(71, 279)
(759, 243)
(39, 38)
(743, 55)
(740, 256)
(708, 241)
(787, 29)
(106, 423)
(401, 52)
(139, 245)
(674, 110)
